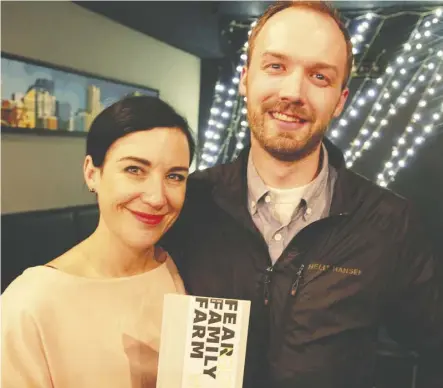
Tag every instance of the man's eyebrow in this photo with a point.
(314, 65)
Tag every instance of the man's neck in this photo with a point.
(285, 175)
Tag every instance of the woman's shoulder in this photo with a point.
(173, 271)
(28, 291)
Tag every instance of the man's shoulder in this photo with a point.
(380, 200)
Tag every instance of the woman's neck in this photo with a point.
(106, 256)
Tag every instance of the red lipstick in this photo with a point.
(147, 218)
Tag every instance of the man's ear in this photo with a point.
(341, 102)
(242, 85)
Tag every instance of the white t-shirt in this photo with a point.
(286, 201)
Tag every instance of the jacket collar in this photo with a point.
(230, 191)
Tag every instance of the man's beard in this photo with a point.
(286, 146)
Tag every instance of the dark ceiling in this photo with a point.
(196, 26)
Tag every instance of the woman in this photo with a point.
(92, 317)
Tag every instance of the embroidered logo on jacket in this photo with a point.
(327, 267)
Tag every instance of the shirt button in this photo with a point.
(277, 237)
(268, 199)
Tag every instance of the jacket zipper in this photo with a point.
(298, 277)
(267, 282)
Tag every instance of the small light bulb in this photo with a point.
(358, 154)
(416, 116)
(240, 146)
(436, 116)
(225, 115)
(371, 119)
(417, 35)
(376, 134)
(431, 90)
(402, 100)
(235, 80)
(392, 111)
(401, 141)
(418, 46)
(395, 84)
(228, 103)
(427, 33)
(215, 111)
(334, 133)
(410, 151)
(380, 176)
(438, 12)
(239, 68)
(231, 91)
(407, 47)
(364, 131)
(391, 173)
(367, 144)
(353, 113)
(383, 184)
(384, 122)
(361, 101)
(369, 16)
(243, 57)
(419, 140)
(371, 92)
(395, 152)
(242, 134)
(357, 142)
(428, 128)
(343, 122)
(431, 66)
(219, 88)
(401, 163)
(388, 164)
(439, 53)
(244, 124)
(389, 70)
(349, 164)
(400, 60)
(386, 95)
(435, 20)
(427, 24)
(422, 103)
(411, 59)
(409, 129)
(411, 90)
(244, 111)
(403, 71)
(378, 107)
(380, 80)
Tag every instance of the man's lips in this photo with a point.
(147, 218)
(288, 117)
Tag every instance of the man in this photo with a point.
(324, 255)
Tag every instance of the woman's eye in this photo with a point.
(133, 170)
(176, 177)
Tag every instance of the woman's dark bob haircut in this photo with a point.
(132, 114)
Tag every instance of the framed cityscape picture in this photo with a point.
(45, 99)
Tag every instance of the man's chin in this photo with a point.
(291, 153)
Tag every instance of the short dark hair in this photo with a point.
(132, 114)
(322, 7)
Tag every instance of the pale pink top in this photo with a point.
(61, 330)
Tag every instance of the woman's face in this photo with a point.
(141, 185)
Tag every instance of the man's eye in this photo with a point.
(275, 66)
(133, 170)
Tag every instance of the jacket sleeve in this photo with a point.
(23, 361)
(414, 312)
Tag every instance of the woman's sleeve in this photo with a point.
(23, 361)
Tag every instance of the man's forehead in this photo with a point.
(300, 29)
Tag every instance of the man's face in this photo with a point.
(294, 82)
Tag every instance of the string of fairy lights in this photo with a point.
(393, 89)
(414, 73)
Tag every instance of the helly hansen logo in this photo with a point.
(327, 267)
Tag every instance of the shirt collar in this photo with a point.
(257, 188)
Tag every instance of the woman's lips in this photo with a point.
(147, 218)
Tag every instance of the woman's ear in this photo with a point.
(91, 174)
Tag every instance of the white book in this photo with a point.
(203, 342)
